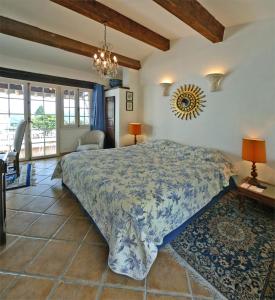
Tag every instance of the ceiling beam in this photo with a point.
(196, 16)
(106, 15)
(35, 34)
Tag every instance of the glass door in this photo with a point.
(43, 121)
(11, 113)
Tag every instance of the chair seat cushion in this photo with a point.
(87, 147)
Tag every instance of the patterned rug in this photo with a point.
(25, 179)
(230, 251)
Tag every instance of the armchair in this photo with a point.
(18, 139)
(91, 140)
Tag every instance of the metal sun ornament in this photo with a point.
(187, 102)
(104, 61)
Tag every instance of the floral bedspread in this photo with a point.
(138, 194)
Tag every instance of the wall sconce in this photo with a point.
(166, 88)
(215, 81)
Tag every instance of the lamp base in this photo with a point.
(254, 174)
(255, 182)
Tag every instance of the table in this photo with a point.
(266, 197)
(3, 170)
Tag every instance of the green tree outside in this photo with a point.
(43, 122)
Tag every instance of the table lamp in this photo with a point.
(135, 129)
(254, 150)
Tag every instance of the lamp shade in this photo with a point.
(134, 128)
(254, 150)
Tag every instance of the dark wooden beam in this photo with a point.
(24, 75)
(35, 34)
(196, 16)
(104, 14)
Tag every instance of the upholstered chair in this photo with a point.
(91, 140)
(17, 144)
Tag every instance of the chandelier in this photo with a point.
(104, 61)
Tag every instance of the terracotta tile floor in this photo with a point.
(54, 252)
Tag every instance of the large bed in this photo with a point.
(138, 195)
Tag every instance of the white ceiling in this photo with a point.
(53, 17)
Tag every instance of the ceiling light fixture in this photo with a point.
(104, 61)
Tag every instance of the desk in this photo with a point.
(3, 170)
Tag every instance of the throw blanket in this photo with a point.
(137, 195)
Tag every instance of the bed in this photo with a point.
(138, 195)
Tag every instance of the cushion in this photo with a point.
(87, 147)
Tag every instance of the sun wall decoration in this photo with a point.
(188, 101)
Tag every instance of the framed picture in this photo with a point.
(129, 96)
(129, 105)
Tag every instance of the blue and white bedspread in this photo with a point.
(137, 195)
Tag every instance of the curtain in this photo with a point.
(98, 108)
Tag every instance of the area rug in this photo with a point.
(25, 179)
(229, 251)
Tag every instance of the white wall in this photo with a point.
(244, 107)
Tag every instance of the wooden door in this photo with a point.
(110, 122)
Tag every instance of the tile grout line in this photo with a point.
(102, 283)
(189, 284)
(145, 289)
(8, 287)
(61, 277)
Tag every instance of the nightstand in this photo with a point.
(267, 196)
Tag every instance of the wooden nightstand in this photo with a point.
(266, 197)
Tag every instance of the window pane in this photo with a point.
(37, 149)
(16, 91)
(36, 93)
(14, 120)
(4, 90)
(4, 105)
(49, 94)
(81, 103)
(87, 121)
(66, 112)
(81, 112)
(66, 102)
(49, 107)
(82, 120)
(72, 112)
(66, 120)
(50, 148)
(72, 120)
(37, 107)
(72, 103)
(4, 119)
(16, 106)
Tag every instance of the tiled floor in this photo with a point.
(54, 252)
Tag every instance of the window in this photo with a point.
(84, 108)
(76, 107)
(69, 107)
(11, 113)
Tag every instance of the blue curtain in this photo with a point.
(98, 108)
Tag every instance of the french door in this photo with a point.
(36, 103)
(42, 119)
